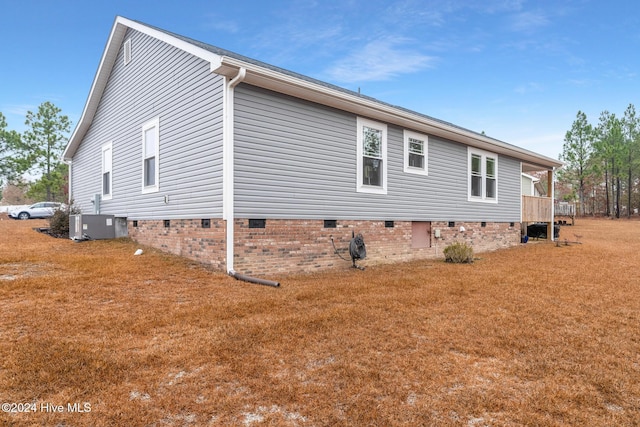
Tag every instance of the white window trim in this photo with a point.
(148, 125)
(483, 162)
(422, 137)
(107, 147)
(360, 186)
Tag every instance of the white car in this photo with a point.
(37, 210)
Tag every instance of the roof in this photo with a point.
(268, 76)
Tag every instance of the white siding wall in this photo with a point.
(160, 81)
(296, 159)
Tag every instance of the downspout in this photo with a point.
(228, 164)
(228, 195)
(70, 183)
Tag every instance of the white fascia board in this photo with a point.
(97, 87)
(171, 40)
(291, 85)
(109, 56)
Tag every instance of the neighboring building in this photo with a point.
(252, 168)
(531, 186)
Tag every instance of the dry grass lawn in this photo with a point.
(538, 335)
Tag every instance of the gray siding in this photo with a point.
(296, 159)
(165, 82)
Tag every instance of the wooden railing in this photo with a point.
(536, 209)
(564, 209)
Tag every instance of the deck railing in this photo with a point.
(536, 209)
(564, 209)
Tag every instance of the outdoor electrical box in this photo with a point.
(91, 227)
(95, 200)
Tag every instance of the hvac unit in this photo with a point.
(91, 227)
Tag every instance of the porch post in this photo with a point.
(550, 186)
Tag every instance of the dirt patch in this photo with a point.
(13, 271)
(540, 334)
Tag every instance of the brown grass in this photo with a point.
(538, 335)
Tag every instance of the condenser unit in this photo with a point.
(91, 227)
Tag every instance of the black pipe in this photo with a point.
(254, 280)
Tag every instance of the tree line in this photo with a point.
(602, 164)
(32, 160)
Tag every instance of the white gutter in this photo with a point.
(273, 79)
(294, 86)
(228, 163)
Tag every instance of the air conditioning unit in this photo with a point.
(91, 227)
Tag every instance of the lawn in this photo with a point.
(537, 335)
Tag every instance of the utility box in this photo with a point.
(91, 227)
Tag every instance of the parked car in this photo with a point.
(37, 210)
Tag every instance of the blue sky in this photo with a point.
(518, 70)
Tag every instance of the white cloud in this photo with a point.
(379, 60)
(528, 88)
(584, 82)
(16, 115)
(215, 22)
(620, 73)
(500, 5)
(18, 109)
(548, 144)
(528, 21)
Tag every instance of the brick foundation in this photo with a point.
(287, 246)
(184, 237)
(305, 245)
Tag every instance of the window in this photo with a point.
(483, 176)
(490, 178)
(415, 153)
(372, 157)
(127, 51)
(107, 162)
(150, 149)
(476, 175)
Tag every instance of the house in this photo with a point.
(532, 186)
(251, 168)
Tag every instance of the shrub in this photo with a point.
(458, 253)
(59, 222)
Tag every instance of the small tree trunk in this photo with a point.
(617, 197)
(606, 190)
